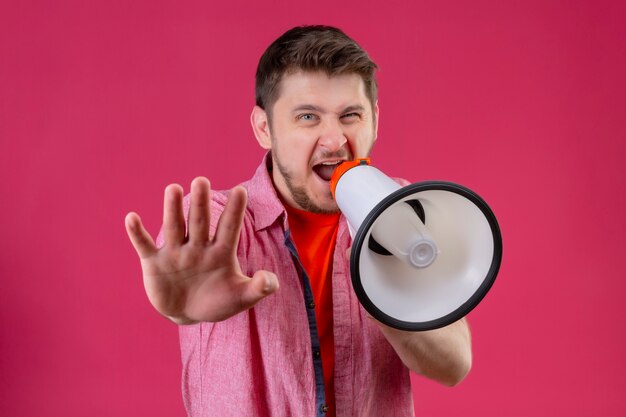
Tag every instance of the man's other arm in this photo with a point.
(443, 355)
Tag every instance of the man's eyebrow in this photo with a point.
(308, 107)
(354, 108)
(312, 107)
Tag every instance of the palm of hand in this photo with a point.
(195, 277)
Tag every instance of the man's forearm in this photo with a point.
(444, 355)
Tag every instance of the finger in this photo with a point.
(349, 252)
(199, 212)
(173, 217)
(139, 237)
(262, 284)
(229, 224)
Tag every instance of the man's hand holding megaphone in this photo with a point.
(443, 354)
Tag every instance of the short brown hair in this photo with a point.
(312, 48)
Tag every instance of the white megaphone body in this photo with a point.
(424, 255)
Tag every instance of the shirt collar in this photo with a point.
(262, 197)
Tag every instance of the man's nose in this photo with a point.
(332, 137)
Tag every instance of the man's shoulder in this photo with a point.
(218, 199)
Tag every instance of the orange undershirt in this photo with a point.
(314, 236)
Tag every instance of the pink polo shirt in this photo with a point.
(265, 361)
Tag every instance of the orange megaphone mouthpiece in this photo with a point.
(343, 168)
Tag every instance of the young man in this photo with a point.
(292, 340)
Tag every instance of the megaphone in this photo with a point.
(423, 256)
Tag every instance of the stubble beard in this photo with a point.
(299, 194)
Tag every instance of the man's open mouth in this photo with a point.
(325, 169)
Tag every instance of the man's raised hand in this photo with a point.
(196, 277)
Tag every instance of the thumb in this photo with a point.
(262, 284)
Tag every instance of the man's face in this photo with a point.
(317, 122)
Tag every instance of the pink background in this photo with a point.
(102, 105)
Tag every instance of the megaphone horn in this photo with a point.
(423, 256)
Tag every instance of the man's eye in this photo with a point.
(307, 117)
(350, 116)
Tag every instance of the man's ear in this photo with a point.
(377, 116)
(261, 127)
